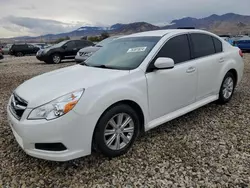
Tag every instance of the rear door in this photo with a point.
(209, 57)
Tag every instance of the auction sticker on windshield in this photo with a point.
(137, 49)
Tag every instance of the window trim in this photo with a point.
(148, 70)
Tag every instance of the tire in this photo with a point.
(19, 54)
(227, 90)
(103, 143)
(56, 58)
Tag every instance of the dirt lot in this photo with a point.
(209, 147)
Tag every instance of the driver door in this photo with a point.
(172, 89)
(70, 49)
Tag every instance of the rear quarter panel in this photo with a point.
(232, 61)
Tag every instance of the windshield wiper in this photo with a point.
(103, 66)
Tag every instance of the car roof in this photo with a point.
(161, 33)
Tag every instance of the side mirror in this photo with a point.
(164, 63)
(64, 46)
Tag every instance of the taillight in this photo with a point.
(241, 53)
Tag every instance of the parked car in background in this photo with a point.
(43, 46)
(129, 86)
(243, 43)
(23, 49)
(6, 49)
(86, 52)
(1, 54)
(63, 50)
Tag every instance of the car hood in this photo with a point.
(49, 86)
(90, 49)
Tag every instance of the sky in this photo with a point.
(38, 17)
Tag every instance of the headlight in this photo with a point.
(88, 54)
(57, 107)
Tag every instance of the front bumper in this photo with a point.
(42, 57)
(72, 130)
(80, 59)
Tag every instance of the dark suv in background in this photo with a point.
(63, 50)
(23, 49)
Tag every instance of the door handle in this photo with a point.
(221, 60)
(191, 69)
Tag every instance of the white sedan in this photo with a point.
(131, 85)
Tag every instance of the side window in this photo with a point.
(81, 44)
(217, 45)
(71, 45)
(176, 48)
(22, 46)
(202, 45)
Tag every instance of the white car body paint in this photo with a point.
(162, 96)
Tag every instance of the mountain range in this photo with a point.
(221, 24)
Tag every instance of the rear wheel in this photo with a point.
(227, 88)
(19, 54)
(116, 130)
(56, 58)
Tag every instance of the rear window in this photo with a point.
(203, 45)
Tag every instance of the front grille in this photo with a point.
(85, 53)
(17, 106)
(81, 53)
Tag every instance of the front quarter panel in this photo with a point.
(98, 98)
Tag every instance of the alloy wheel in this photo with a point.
(228, 87)
(56, 59)
(119, 131)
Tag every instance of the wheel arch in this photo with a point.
(133, 105)
(234, 72)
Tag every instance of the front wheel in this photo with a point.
(116, 130)
(227, 88)
(56, 58)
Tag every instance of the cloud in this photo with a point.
(37, 26)
(29, 7)
(51, 16)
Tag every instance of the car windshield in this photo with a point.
(105, 41)
(124, 53)
(60, 44)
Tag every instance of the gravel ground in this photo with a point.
(209, 147)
